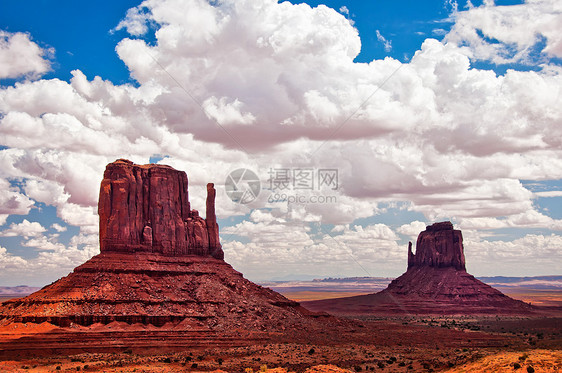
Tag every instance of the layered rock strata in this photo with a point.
(160, 263)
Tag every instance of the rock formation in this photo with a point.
(438, 246)
(161, 264)
(436, 282)
(146, 209)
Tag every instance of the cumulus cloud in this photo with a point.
(19, 56)
(12, 202)
(24, 229)
(58, 227)
(52, 260)
(412, 229)
(483, 256)
(506, 34)
(279, 81)
(8, 261)
(269, 240)
(135, 22)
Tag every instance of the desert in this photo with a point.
(160, 297)
(281, 186)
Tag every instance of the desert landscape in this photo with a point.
(282, 186)
(160, 297)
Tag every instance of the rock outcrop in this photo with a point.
(146, 209)
(438, 246)
(436, 282)
(161, 264)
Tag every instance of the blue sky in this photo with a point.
(464, 131)
(88, 42)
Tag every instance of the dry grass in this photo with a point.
(539, 360)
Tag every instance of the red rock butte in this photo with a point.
(146, 209)
(161, 266)
(436, 282)
(438, 246)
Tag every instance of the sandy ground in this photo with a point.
(292, 358)
(406, 345)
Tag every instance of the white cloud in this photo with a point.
(270, 242)
(12, 202)
(412, 229)
(227, 112)
(135, 22)
(549, 194)
(450, 140)
(58, 227)
(10, 262)
(24, 229)
(515, 256)
(386, 43)
(439, 32)
(504, 34)
(19, 56)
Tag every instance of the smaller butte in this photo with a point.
(436, 282)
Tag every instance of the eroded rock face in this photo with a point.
(438, 246)
(145, 208)
(160, 264)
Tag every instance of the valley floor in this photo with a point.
(415, 344)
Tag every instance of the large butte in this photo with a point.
(161, 264)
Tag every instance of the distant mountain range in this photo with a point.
(21, 290)
(373, 284)
(538, 282)
(358, 284)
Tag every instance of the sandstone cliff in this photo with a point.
(438, 246)
(160, 262)
(146, 209)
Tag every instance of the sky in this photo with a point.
(352, 125)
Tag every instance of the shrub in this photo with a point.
(516, 366)
(530, 369)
